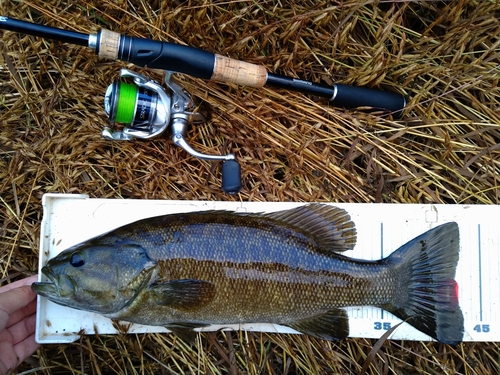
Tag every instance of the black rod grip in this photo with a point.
(167, 56)
(354, 97)
(47, 32)
(343, 95)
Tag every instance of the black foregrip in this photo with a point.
(354, 97)
(167, 56)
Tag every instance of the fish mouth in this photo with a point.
(48, 288)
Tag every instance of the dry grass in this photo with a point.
(443, 54)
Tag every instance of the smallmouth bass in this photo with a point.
(189, 270)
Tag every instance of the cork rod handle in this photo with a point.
(239, 72)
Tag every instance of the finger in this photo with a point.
(8, 357)
(22, 329)
(26, 348)
(13, 300)
(13, 356)
(27, 281)
(20, 314)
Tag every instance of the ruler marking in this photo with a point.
(480, 274)
(381, 256)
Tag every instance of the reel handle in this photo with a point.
(231, 177)
(231, 171)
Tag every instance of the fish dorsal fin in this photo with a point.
(331, 227)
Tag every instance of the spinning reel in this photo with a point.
(146, 110)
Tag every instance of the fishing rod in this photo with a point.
(206, 65)
(147, 109)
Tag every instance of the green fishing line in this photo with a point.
(125, 108)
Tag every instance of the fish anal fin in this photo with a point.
(185, 330)
(330, 227)
(185, 294)
(331, 325)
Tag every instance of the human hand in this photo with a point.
(17, 323)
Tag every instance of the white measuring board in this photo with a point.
(381, 229)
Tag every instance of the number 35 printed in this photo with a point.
(382, 325)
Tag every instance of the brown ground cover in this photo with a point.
(444, 55)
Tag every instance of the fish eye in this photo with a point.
(76, 260)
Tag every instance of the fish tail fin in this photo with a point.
(427, 293)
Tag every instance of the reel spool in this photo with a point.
(146, 110)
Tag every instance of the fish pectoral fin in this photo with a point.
(185, 330)
(185, 294)
(331, 227)
(332, 325)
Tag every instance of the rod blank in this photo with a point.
(47, 32)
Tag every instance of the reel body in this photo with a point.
(146, 110)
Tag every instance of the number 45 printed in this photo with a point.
(482, 328)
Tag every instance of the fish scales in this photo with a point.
(265, 275)
(184, 271)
